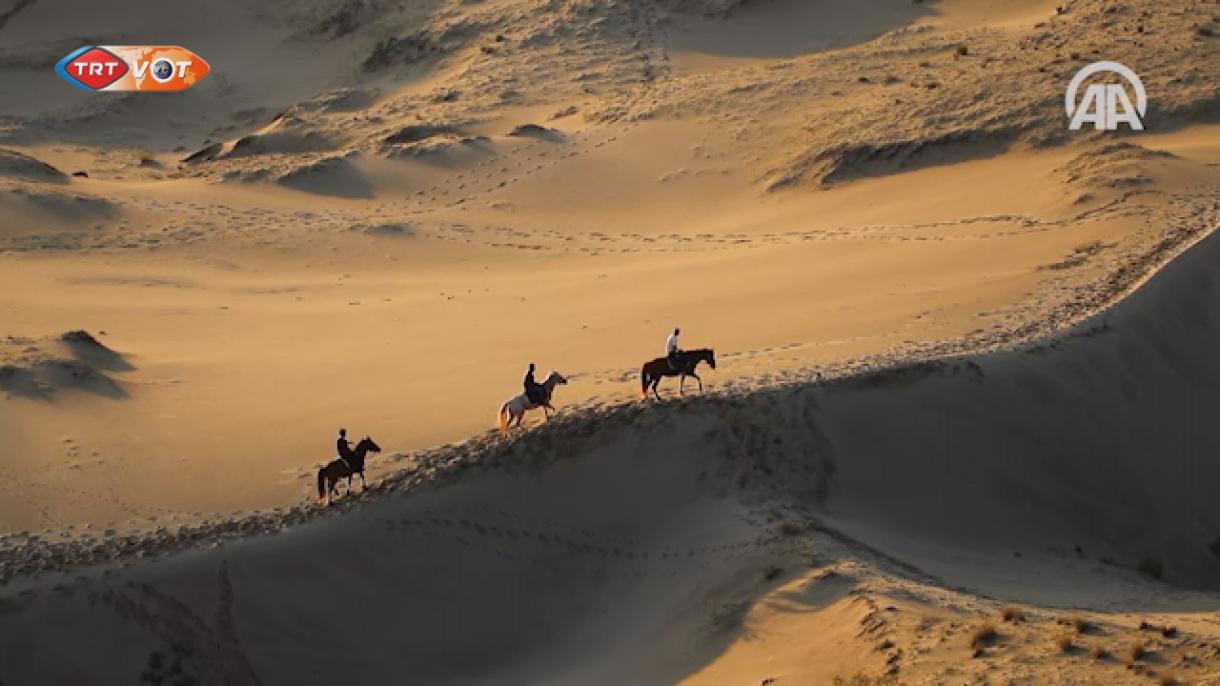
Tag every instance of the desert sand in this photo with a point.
(965, 356)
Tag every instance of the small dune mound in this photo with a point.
(69, 373)
(86, 348)
(40, 368)
(58, 204)
(386, 230)
(280, 142)
(438, 147)
(852, 160)
(414, 133)
(1113, 166)
(335, 176)
(288, 134)
(204, 154)
(536, 131)
(18, 165)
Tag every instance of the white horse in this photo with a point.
(512, 412)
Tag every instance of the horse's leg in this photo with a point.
(696, 378)
(547, 410)
(656, 382)
(681, 384)
(363, 485)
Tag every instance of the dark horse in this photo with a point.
(329, 475)
(652, 372)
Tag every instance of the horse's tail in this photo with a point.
(321, 484)
(644, 382)
(502, 418)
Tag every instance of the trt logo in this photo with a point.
(132, 68)
(1106, 106)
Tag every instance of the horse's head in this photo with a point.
(368, 445)
(711, 358)
(557, 378)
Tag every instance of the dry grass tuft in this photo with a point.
(983, 635)
(1134, 654)
(1064, 643)
(1012, 614)
(1099, 653)
(866, 680)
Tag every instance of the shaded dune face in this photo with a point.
(1099, 438)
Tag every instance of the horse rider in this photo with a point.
(672, 352)
(534, 392)
(344, 448)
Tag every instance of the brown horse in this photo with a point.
(329, 475)
(652, 372)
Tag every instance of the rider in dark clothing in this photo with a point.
(344, 448)
(534, 391)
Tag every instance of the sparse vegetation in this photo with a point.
(983, 635)
(1167, 680)
(1012, 614)
(862, 679)
(1135, 653)
(1099, 653)
(1080, 625)
(1064, 643)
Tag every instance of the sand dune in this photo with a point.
(634, 544)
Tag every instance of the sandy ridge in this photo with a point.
(24, 555)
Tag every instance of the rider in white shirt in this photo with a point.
(672, 352)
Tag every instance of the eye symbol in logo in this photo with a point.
(162, 70)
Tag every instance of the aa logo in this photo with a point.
(1106, 105)
(132, 68)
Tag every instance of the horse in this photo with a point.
(652, 372)
(329, 475)
(512, 412)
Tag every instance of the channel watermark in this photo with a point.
(1108, 105)
(125, 68)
